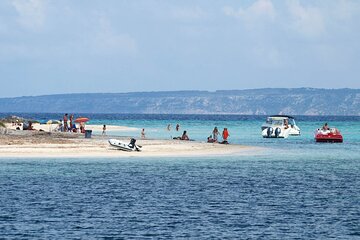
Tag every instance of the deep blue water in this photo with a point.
(180, 198)
(294, 189)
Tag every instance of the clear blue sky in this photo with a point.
(67, 46)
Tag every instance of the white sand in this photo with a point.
(93, 127)
(34, 144)
(99, 128)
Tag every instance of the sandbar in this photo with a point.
(39, 144)
(93, 127)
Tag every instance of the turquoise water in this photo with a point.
(292, 189)
(247, 131)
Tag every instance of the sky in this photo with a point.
(66, 46)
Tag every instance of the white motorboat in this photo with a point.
(279, 126)
(129, 147)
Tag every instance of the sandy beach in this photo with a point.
(93, 127)
(43, 144)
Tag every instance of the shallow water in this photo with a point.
(294, 188)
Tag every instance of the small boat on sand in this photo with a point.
(329, 135)
(129, 147)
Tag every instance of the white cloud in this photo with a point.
(107, 41)
(261, 9)
(31, 13)
(306, 20)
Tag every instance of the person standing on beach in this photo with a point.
(225, 135)
(168, 128)
(104, 130)
(215, 134)
(71, 122)
(82, 127)
(61, 126)
(143, 133)
(65, 119)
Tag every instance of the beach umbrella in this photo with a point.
(81, 120)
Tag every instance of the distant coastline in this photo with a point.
(293, 101)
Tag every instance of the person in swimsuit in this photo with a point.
(104, 130)
(215, 134)
(143, 133)
(184, 136)
(325, 127)
(65, 119)
(225, 135)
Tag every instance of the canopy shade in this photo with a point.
(53, 122)
(81, 119)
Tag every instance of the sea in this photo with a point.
(289, 188)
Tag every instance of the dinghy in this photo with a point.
(124, 146)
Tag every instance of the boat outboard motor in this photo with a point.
(277, 132)
(269, 131)
(132, 144)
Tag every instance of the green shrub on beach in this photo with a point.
(2, 124)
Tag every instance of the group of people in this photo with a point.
(68, 124)
(214, 138)
(184, 136)
(177, 127)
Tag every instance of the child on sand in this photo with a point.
(104, 130)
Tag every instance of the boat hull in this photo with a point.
(333, 136)
(276, 132)
(334, 139)
(123, 146)
(285, 125)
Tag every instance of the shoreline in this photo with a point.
(37, 144)
(93, 127)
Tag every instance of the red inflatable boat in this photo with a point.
(331, 135)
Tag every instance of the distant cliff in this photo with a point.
(298, 101)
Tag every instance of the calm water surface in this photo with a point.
(255, 197)
(293, 189)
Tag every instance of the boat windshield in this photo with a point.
(292, 121)
(274, 121)
(280, 121)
